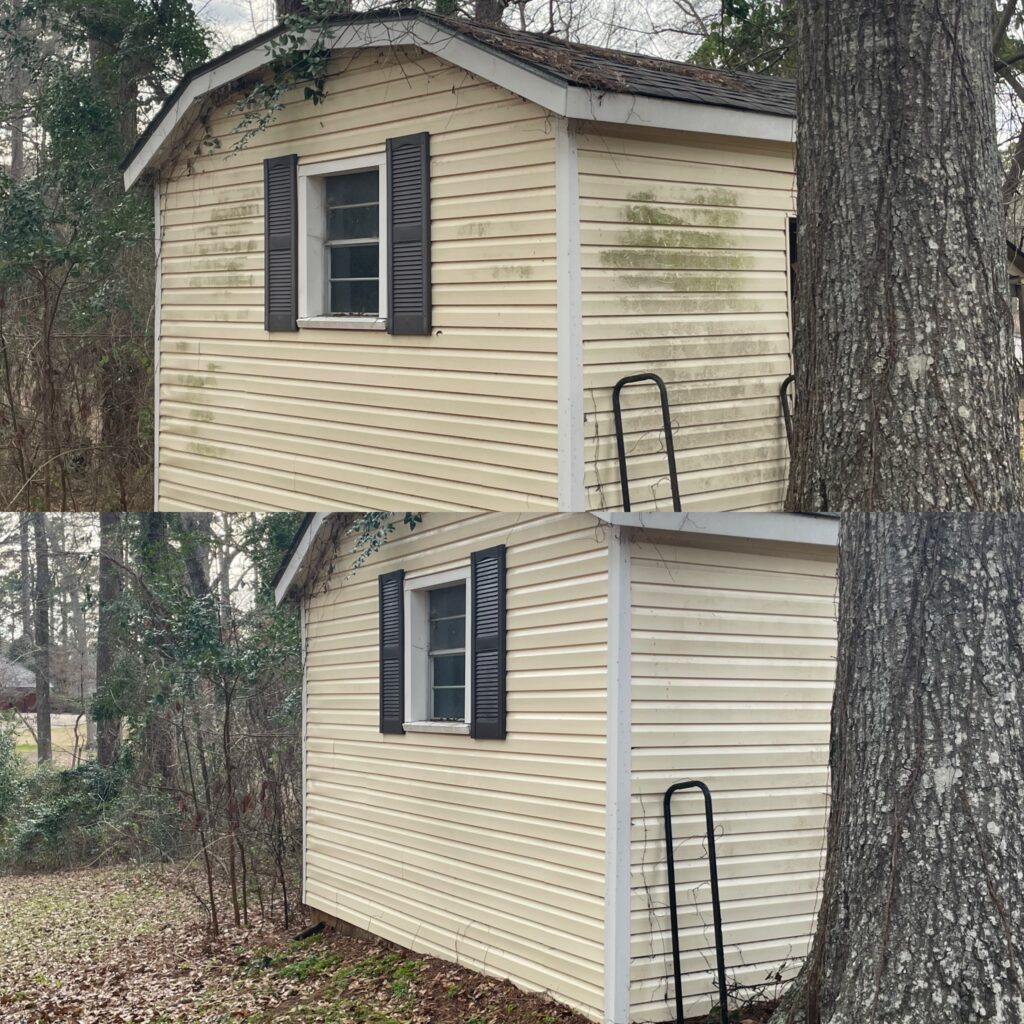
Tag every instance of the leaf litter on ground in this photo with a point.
(131, 946)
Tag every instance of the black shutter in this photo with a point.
(280, 230)
(409, 234)
(488, 650)
(392, 651)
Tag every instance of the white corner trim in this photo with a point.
(284, 584)
(304, 640)
(157, 303)
(547, 91)
(618, 796)
(785, 527)
(571, 465)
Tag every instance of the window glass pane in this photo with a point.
(352, 222)
(350, 189)
(355, 261)
(448, 601)
(449, 705)
(354, 297)
(448, 669)
(448, 634)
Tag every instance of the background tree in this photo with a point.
(108, 726)
(923, 914)
(41, 660)
(751, 35)
(76, 253)
(906, 378)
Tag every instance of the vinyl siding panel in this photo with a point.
(733, 664)
(685, 273)
(488, 853)
(465, 418)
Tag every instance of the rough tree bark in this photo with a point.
(490, 12)
(922, 917)
(42, 631)
(906, 385)
(108, 727)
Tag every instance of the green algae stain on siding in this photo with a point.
(664, 258)
(209, 451)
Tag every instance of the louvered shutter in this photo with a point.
(409, 234)
(280, 228)
(392, 651)
(488, 649)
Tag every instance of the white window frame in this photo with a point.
(313, 249)
(417, 661)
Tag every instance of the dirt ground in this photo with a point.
(118, 946)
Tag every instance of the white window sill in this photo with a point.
(343, 323)
(448, 728)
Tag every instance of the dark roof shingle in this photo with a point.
(594, 67)
(577, 64)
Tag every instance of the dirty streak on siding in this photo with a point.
(733, 669)
(685, 274)
(487, 853)
(466, 418)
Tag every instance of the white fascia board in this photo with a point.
(550, 93)
(784, 527)
(678, 115)
(298, 559)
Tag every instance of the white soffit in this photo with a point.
(784, 527)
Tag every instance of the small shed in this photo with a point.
(17, 687)
(495, 704)
(421, 292)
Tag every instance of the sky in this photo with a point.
(620, 23)
(236, 20)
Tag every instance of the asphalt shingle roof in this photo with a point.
(587, 67)
(593, 67)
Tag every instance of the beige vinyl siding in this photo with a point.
(733, 667)
(685, 273)
(359, 419)
(489, 853)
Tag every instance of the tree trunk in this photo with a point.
(71, 599)
(287, 8)
(26, 577)
(198, 527)
(906, 390)
(16, 86)
(108, 728)
(42, 630)
(490, 12)
(922, 917)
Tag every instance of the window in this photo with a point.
(446, 653)
(353, 243)
(342, 229)
(437, 677)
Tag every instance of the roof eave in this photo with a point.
(547, 90)
(781, 527)
(294, 563)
